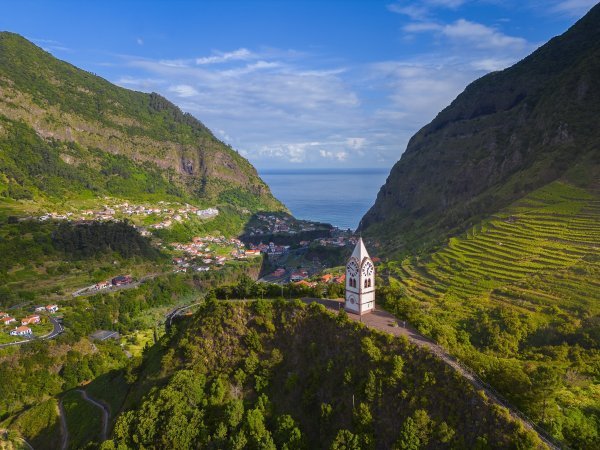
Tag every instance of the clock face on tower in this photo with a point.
(367, 269)
(352, 268)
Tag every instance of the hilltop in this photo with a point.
(507, 134)
(69, 135)
(286, 375)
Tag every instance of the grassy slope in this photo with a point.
(538, 259)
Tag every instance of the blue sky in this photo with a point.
(304, 83)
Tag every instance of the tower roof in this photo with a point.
(360, 252)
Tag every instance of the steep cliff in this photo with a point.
(507, 134)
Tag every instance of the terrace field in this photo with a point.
(518, 297)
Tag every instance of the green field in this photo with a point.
(515, 295)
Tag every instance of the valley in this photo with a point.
(155, 294)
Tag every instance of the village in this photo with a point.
(203, 252)
(30, 325)
(278, 223)
(162, 215)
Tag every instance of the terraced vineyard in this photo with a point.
(529, 255)
(519, 291)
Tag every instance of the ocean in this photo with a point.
(338, 197)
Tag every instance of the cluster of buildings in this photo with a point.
(271, 249)
(24, 329)
(337, 241)
(271, 223)
(167, 212)
(199, 254)
(120, 280)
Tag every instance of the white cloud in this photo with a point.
(139, 41)
(241, 54)
(421, 10)
(355, 142)
(491, 64)
(338, 156)
(472, 33)
(183, 90)
(481, 36)
(574, 8)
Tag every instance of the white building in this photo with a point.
(360, 281)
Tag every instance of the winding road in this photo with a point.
(384, 321)
(63, 418)
(58, 329)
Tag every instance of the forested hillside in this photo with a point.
(287, 375)
(68, 134)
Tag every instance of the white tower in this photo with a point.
(360, 281)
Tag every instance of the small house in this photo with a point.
(30, 319)
(121, 280)
(51, 308)
(21, 331)
(6, 320)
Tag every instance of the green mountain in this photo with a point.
(67, 134)
(507, 134)
(491, 225)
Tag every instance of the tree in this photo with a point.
(545, 381)
(345, 440)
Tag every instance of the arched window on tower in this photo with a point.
(366, 283)
(369, 283)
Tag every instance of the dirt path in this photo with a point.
(386, 322)
(103, 408)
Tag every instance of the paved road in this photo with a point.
(64, 431)
(56, 330)
(63, 418)
(383, 321)
(103, 407)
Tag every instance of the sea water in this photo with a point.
(338, 197)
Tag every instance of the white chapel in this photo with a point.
(360, 281)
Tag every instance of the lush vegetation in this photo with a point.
(246, 288)
(284, 375)
(49, 259)
(34, 375)
(40, 425)
(516, 298)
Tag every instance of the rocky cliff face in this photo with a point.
(505, 135)
(61, 103)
